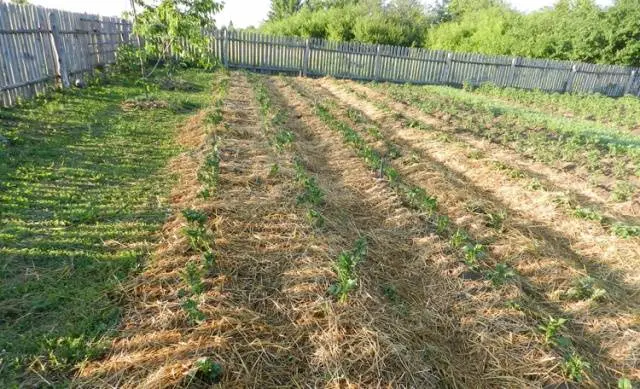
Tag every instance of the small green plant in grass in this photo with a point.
(420, 199)
(209, 261)
(345, 269)
(551, 330)
(355, 115)
(283, 138)
(375, 133)
(275, 169)
(208, 371)
(214, 117)
(194, 314)
(625, 231)
(535, 184)
(585, 288)
(475, 154)
(473, 253)
(194, 216)
(442, 224)
(458, 239)
(312, 193)
(574, 367)
(625, 383)
(315, 218)
(192, 276)
(501, 274)
(495, 220)
(196, 231)
(392, 151)
(587, 213)
(389, 291)
(622, 191)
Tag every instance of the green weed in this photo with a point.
(585, 289)
(208, 371)
(574, 367)
(501, 274)
(551, 330)
(625, 231)
(345, 270)
(194, 314)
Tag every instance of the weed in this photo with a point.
(622, 191)
(209, 262)
(625, 383)
(551, 329)
(207, 371)
(574, 367)
(535, 184)
(214, 117)
(495, 220)
(625, 231)
(194, 216)
(458, 239)
(442, 224)
(389, 291)
(473, 253)
(283, 138)
(192, 276)
(475, 154)
(312, 193)
(196, 231)
(355, 115)
(275, 169)
(418, 198)
(587, 213)
(194, 314)
(584, 289)
(501, 274)
(345, 269)
(315, 218)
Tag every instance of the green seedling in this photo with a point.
(622, 191)
(495, 220)
(207, 371)
(209, 262)
(194, 216)
(574, 367)
(283, 138)
(275, 168)
(458, 239)
(625, 383)
(390, 292)
(585, 289)
(345, 270)
(625, 231)
(551, 329)
(192, 276)
(501, 274)
(315, 218)
(442, 224)
(194, 314)
(587, 213)
(473, 253)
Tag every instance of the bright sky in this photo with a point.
(243, 13)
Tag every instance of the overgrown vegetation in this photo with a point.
(84, 192)
(570, 30)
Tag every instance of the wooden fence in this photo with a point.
(40, 46)
(415, 65)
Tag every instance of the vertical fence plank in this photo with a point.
(59, 54)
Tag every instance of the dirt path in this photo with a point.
(470, 192)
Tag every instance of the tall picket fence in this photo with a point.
(42, 47)
(360, 61)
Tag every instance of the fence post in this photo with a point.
(632, 78)
(99, 43)
(58, 52)
(305, 58)
(376, 64)
(225, 47)
(512, 72)
(569, 84)
(444, 76)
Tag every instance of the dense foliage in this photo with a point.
(570, 30)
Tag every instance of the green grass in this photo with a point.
(82, 189)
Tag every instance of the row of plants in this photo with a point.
(540, 136)
(621, 192)
(200, 236)
(471, 252)
(623, 112)
(312, 195)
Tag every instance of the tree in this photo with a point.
(172, 29)
(280, 9)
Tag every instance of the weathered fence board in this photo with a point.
(31, 58)
(421, 66)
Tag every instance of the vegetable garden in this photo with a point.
(249, 230)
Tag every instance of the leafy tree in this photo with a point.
(172, 29)
(282, 8)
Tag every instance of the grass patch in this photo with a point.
(82, 191)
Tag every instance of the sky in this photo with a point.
(243, 13)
